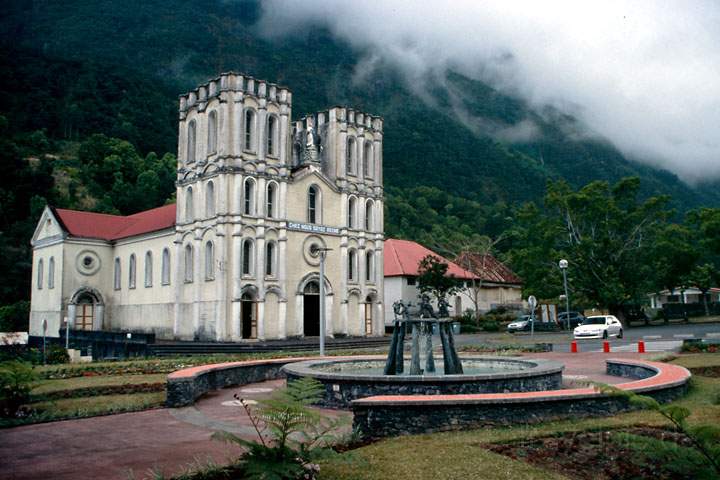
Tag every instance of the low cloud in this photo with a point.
(645, 75)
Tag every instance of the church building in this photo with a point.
(259, 199)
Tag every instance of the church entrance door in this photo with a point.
(248, 316)
(85, 312)
(311, 309)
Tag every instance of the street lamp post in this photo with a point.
(322, 251)
(563, 264)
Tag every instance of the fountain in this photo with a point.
(348, 379)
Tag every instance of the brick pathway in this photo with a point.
(111, 447)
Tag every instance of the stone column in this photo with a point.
(282, 318)
(329, 317)
(197, 276)
(72, 312)
(98, 317)
(284, 138)
(236, 270)
(260, 319)
(299, 327)
(177, 281)
(220, 287)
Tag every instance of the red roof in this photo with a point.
(488, 268)
(403, 256)
(115, 227)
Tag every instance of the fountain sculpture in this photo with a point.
(422, 330)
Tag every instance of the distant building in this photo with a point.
(237, 257)
(498, 285)
(682, 295)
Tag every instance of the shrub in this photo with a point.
(16, 380)
(55, 354)
(491, 326)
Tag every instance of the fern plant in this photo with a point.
(704, 438)
(291, 436)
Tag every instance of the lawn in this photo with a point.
(463, 454)
(99, 388)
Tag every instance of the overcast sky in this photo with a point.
(644, 74)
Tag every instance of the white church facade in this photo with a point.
(237, 258)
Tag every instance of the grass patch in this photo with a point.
(165, 365)
(75, 383)
(69, 408)
(696, 360)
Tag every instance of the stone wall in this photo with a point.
(186, 386)
(381, 417)
(377, 421)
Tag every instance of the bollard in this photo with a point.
(606, 347)
(573, 347)
(641, 346)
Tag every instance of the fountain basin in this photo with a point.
(346, 380)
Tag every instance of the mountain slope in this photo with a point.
(176, 45)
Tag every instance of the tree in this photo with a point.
(433, 278)
(604, 231)
(703, 277)
(672, 256)
(472, 254)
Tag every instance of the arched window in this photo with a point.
(250, 130)
(270, 259)
(369, 221)
(188, 263)
(249, 197)
(352, 205)
(350, 163)
(117, 279)
(314, 205)
(51, 273)
(132, 271)
(369, 266)
(271, 135)
(352, 262)
(210, 200)
(247, 257)
(270, 200)
(367, 159)
(148, 269)
(212, 132)
(191, 134)
(165, 278)
(209, 261)
(189, 212)
(40, 274)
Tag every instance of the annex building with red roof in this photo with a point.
(260, 197)
(487, 281)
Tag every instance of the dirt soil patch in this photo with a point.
(712, 372)
(598, 455)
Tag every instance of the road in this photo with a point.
(657, 338)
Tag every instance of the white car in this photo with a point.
(601, 326)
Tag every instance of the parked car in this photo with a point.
(601, 326)
(524, 324)
(521, 324)
(576, 318)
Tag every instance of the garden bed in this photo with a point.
(641, 452)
